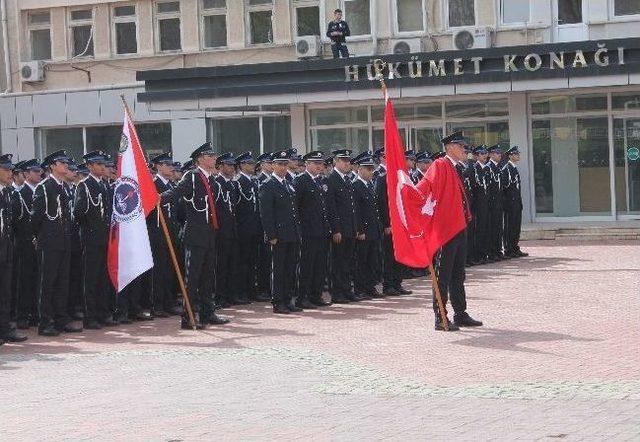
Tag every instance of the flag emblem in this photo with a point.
(127, 200)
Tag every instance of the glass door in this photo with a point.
(425, 139)
(627, 165)
(568, 17)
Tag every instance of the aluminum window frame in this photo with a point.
(295, 4)
(158, 16)
(620, 18)
(396, 23)
(38, 27)
(75, 23)
(248, 9)
(208, 12)
(445, 11)
(513, 25)
(124, 19)
(372, 21)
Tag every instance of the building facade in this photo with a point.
(68, 62)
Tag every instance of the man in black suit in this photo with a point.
(8, 202)
(265, 164)
(249, 230)
(26, 270)
(369, 230)
(282, 231)
(52, 224)
(480, 222)
(342, 219)
(198, 190)
(315, 230)
(494, 191)
(423, 161)
(93, 214)
(512, 199)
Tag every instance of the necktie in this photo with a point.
(212, 202)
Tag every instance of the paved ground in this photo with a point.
(558, 358)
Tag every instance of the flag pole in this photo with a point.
(167, 237)
(434, 277)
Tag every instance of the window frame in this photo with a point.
(71, 23)
(126, 19)
(203, 13)
(247, 21)
(157, 17)
(448, 27)
(295, 4)
(372, 21)
(620, 18)
(501, 22)
(396, 24)
(38, 27)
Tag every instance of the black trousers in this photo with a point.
(339, 50)
(6, 266)
(225, 286)
(26, 274)
(128, 300)
(54, 287)
(512, 226)
(392, 269)
(96, 296)
(313, 267)
(450, 270)
(367, 264)
(342, 258)
(481, 228)
(162, 281)
(200, 270)
(285, 256)
(246, 267)
(495, 226)
(75, 301)
(264, 268)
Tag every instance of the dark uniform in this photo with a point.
(315, 230)
(338, 42)
(494, 190)
(466, 172)
(369, 225)
(280, 222)
(93, 214)
(249, 233)
(8, 198)
(75, 302)
(512, 200)
(342, 218)
(52, 224)
(198, 189)
(480, 222)
(264, 251)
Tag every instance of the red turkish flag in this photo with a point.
(426, 216)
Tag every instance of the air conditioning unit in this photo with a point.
(405, 46)
(32, 71)
(472, 38)
(308, 46)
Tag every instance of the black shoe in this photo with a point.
(92, 325)
(281, 309)
(124, 320)
(1, 342)
(340, 300)
(241, 301)
(402, 291)
(13, 336)
(69, 328)
(440, 327)
(143, 316)
(391, 292)
(217, 320)
(263, 297)
(108, 322)
(294, 309)
(320, 302)
(307, 305)
(22, 324)
(521, 254)
(49, 330)
(464, 320)
(160, 314)
(375, 294)
(184, 325)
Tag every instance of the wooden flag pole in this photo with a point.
(167, 237)
(434, 277)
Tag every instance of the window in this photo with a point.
(514, 11)
(410, 15)
(39, 25)
(168, 26)
(259, 14)
(69, 139)
(125, 29)
(81, 32)
(357, 13)
(214, 23)
(461, 13)
(307, 16)
(626, 7)
(239, 135)
(569, 12)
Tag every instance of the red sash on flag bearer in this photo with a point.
(212, 202)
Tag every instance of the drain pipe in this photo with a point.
(5, 42)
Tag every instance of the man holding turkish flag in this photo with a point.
(430, 219)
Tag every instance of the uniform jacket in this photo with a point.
(383, 201)
(416, 176)
(278, 211)
(312, 207)
(23, 207)
(7, 204)
(226, 203)
(248, 208)
(511, 181)
(479, 180)
(92, 212)
(341, 205)
(51, 216)
(367, 211)
(494, 184)
(340, 26)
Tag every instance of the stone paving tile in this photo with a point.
(556, 360)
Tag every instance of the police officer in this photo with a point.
(292, 167)
(480, 222)
(282, 231)
(52, 224)
(249, 230)
(315, 230)
(198, 190)
(265, 163)
(343, 222)
(7, 204)
(423, 161)
(465, 171)
(338, 31)
(512, 204)
(26, 270)
(494, 190)
(369, 229)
